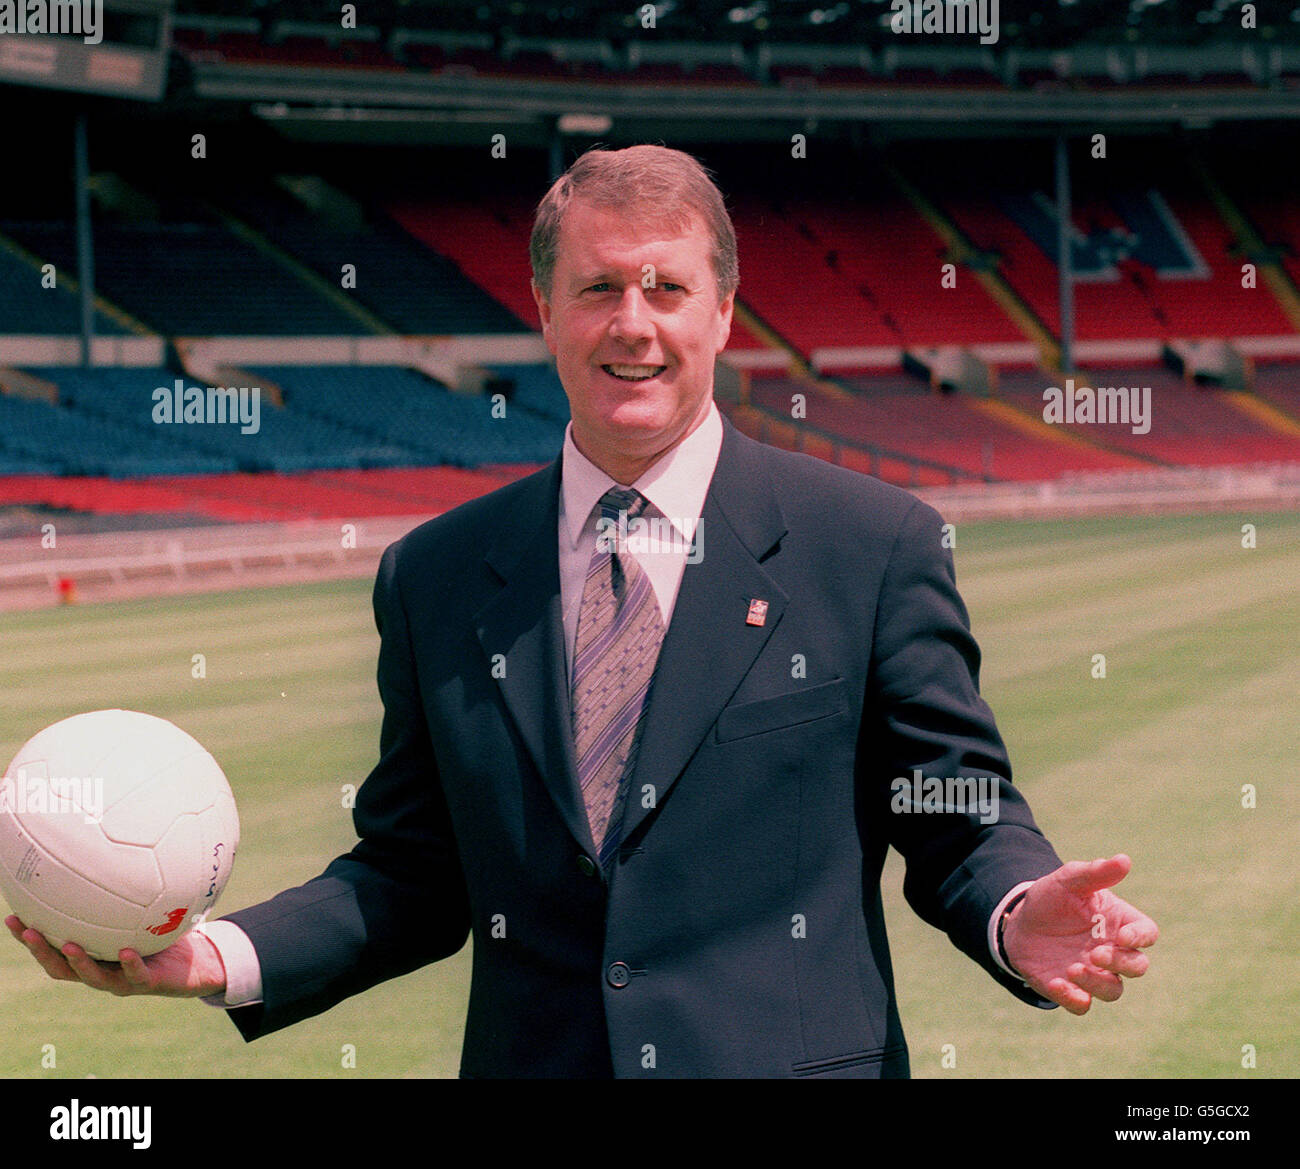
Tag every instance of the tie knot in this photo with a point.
(622, 499)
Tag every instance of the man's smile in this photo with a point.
(634, 373)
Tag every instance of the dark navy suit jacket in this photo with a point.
(739, 931)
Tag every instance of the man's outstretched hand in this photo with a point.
(188, 968)
(1072, 939)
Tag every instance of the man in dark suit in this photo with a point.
(652, 717)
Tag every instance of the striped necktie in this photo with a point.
(620, 631)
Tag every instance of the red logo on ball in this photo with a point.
(174, 919)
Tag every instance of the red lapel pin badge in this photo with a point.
(757, 614)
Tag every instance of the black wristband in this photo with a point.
(1002, 921)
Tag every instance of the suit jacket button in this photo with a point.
(617, 975)
(586, 866)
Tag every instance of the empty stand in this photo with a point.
(402, 407)
(72, 443)
(410, 287)
(857, 271)
(1189, 425)
(347, 495)
(1279, 384)
(944, 428)
(27, 306)
(537, 388)
(191, 279)
(488, 242)
(1153, 258)
(332, 417)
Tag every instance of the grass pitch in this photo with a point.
(1199, 698)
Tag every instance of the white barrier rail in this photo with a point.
(1271, 487)
(108, 564)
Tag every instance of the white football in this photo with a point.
(117, 831)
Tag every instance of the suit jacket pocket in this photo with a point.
(744, 719)
(882, 1063)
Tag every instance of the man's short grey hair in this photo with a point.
(663, 186)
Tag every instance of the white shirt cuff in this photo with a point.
(993, 928)
(243, 970)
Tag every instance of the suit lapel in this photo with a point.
(706, 652)
(522, 623)
(709, 647)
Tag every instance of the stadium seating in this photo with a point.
(1278, 383)
(536, 388)
(858, 271)
(71, 443)
(946, 429)
(1189, 425)
(284, 440)
(883, 245)
(1132, 299)
(191, 279)
(412, 289)
(245, 498)
(333, 417)
(26, 306)
(783, 266)
(489, 243)
(852, 266)
(401, 407)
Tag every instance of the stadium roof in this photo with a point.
(1024, 23)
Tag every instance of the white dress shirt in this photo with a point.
(674, 487)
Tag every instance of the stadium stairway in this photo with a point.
(798, 366)
(1262, 411)
(951, 434)
(58, 311)
(365, 319)
(1278, 384)
(832, 429)
(967, 254)
(1267, 261)
(1032, 424)
(779, 430)
(1189, 426)
(488, 244)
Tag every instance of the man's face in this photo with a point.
(635, 323)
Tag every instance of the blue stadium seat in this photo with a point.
(401, 406)
(28, 308)
(191, 279)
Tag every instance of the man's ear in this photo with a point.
(725, 310)
(544, 315)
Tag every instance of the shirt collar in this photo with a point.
(675, 485)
